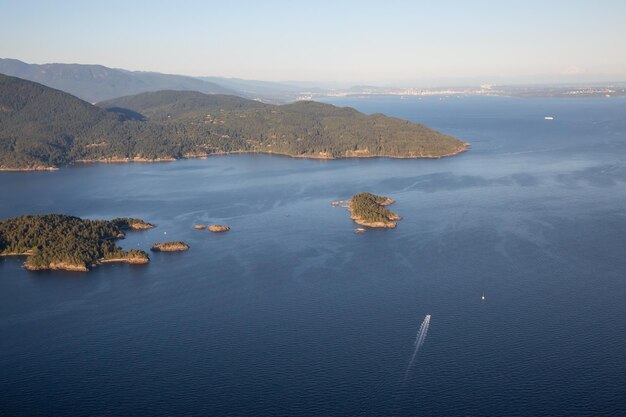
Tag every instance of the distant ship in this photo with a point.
(548, 118)
(483, 296)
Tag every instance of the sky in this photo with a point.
(357, 42)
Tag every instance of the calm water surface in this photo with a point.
(292, 313)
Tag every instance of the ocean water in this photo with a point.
(292, 313)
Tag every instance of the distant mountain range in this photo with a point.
(95, 83)
(44, 128)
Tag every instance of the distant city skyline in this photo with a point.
(351, 42)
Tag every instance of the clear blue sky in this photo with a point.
(382, 42)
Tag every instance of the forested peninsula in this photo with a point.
(57, 241)
(42, 129)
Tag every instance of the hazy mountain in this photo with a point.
(95, 83)
(276, 92)
(255, 85)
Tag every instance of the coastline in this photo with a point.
(57, 266)
(115, 160)
(36, 168)
(65, 266)
(134, 261)
(322, 156)
(27, 253)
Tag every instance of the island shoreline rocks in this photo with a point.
(177, 246)
(464, 148)
(65, 266)
(129, 223)
(218, 228)
(29, 169)
(129, 260)
(57, 266)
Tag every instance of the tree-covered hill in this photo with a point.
(159, 105)
(41, 127)
(309, 128)
(304, 128)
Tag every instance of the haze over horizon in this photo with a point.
(400, 43)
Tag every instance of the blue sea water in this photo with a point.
(292, 313)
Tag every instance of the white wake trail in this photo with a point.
(419, 341)
(424, 332)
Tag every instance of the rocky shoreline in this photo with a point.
(218, 228)
(321, 155)
(169, 247)
(134, 260)
(115, 160)
(29, 169)
(141, 225)
(67, 266)
(57, 266)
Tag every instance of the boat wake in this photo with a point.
(419, 341)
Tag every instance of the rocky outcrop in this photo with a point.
(31, 168)
(217, 228)
(129, 223)
(137, 258)
(141, 225)
(169, 247)
(62, 266)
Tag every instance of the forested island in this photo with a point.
(42, 129)
(370, 210)
(57, 241)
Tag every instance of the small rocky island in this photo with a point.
(129, 223)
(132, 256)
(217, 228)
(370, 210)
(61, 242)
(177, 246)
